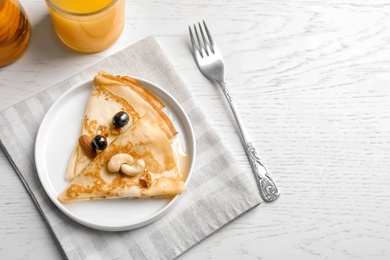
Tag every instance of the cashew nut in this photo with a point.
(135, 169)
(116, 161)
(126, 164)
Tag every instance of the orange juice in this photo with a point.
(15, 31)
(87, 25)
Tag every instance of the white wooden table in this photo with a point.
(312, 82)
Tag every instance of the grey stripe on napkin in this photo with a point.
(219, 191)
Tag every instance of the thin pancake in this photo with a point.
(143, 140)
(135, 93)
(109, 95)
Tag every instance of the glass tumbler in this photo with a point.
(15, 31)
(87, 26)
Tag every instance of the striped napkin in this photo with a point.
(219, 191)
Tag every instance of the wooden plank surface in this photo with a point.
(312, 82)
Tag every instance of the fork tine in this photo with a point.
(205, 43)
(196, 43)
(209, 37)
(193, 43)
(200, 44)
(209, 40)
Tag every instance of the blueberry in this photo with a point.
(120, 119)
(99, 142)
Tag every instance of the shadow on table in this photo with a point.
(45, 42)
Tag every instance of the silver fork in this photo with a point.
(210, 63)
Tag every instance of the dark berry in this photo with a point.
(99, 142)
(120, 119)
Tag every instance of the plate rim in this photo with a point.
(39, 157)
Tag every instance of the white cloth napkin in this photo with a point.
(219, 191)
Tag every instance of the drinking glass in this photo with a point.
(87, 26)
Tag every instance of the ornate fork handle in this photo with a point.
(268, 189)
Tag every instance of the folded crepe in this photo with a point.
(144, 141)
(111, 94)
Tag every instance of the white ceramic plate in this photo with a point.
(55, 141)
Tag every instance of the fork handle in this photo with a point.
(268, 189)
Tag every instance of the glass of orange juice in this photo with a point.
(15, 31)
(87, 26)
